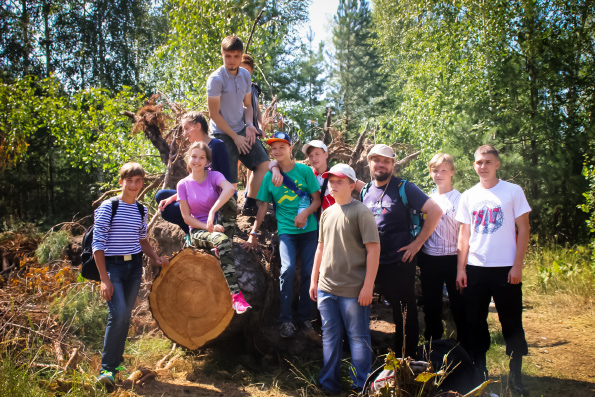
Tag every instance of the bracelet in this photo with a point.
(254, 234)
(250, 124)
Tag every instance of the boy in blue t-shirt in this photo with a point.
(298, 230)
(118, 246)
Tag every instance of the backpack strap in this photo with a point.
(289, 183)
(402, 192)
(115, 203)
(365, 190)
(322, 191)
(141, 209)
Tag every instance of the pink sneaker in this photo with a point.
(239, 303)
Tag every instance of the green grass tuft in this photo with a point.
(52, 246)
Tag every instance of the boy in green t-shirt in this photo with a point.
(345, 267)
(298, 229)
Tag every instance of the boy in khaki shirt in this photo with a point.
(345, 266)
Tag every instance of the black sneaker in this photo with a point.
(250, 211)
(516, 383)
(307, 326)
(287, 330)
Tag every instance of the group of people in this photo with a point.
(473, 242)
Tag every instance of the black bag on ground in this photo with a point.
(89, 267)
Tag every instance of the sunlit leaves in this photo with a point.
(88, 128)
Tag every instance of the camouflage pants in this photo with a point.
(227, 217)
(203, 239)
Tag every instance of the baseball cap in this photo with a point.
(342, 171)
(382, 150)
(279, 137)
(314, 143)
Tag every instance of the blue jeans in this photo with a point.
(172, 212)
(125, 277)
(289, 246)
(344, 315)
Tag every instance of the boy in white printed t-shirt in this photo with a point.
(490, 262)
(438, 258)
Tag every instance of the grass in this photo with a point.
(52, 246)
(550, 268)
(84, 311)
(21, 378)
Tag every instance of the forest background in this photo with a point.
(430, 75)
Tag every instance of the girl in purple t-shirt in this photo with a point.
(201, 194)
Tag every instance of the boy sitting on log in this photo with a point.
(118, 246)
(297, 199)
(342, 282)
(229, 98)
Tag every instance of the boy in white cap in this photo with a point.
(342, 283)
(317, 154)
(398, 246)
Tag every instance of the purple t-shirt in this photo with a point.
(200, 196)
(392, 217)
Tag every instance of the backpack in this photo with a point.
(322, 192)
(416, 218)
(89, 267)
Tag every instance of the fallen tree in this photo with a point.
(257, 272)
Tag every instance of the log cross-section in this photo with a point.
(191, 300)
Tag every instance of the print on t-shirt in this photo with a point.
(379, 209)
(487, 217)
(290, 194)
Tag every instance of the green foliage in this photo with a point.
(84, 311)
(52, 247)
(192, 49)
(16, 379)
(17, 104)
(356, 82)
(512, 74)
(70, 146)
(301, 98)
(97, 43)
(562, 268)
(589, 205)
(19, 378)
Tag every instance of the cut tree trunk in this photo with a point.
(191, 300)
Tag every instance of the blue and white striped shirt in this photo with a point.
(122, 236)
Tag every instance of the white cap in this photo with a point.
(314, 143)
(342, 171)
(382, 150)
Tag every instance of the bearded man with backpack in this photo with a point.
(396, 204)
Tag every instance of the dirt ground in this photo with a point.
(560, 331)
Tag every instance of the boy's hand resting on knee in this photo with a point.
(219, 228)
(165, 202)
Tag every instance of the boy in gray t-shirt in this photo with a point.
(342, 283)
(229, 97)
